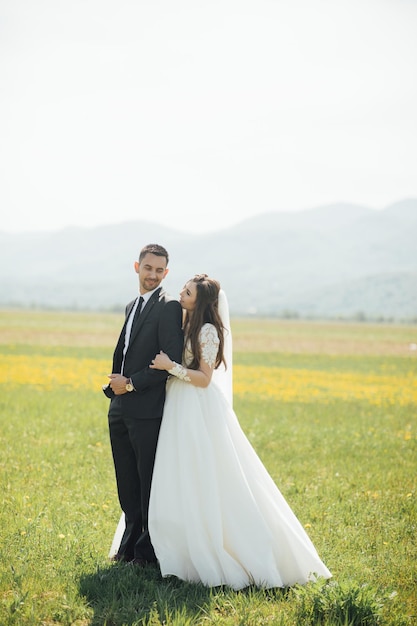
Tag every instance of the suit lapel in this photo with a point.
(121, 341)
(129, 310)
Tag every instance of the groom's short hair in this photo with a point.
(153, 248)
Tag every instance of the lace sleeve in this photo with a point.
(180, 372)
(209, 341)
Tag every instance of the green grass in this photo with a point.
(348, 471)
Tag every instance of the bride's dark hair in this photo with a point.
(206, 310)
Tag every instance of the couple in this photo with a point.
(213, 514)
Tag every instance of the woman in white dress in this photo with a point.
(215, 514)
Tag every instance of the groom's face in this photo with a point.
(151, 270)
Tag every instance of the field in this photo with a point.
(331, 411)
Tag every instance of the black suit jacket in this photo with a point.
(158, 327)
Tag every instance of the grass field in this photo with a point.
(330, 409)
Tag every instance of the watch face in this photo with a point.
(129, 387)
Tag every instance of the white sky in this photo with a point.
(198, 114)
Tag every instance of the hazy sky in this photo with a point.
(199, 114)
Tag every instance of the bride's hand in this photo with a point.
(161, 362)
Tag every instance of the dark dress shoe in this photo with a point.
(121, 558)
(139, 562)
(142, 562)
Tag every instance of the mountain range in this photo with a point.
(339, 260)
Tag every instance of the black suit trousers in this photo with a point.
(133, 443)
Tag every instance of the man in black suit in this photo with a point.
(153, 323)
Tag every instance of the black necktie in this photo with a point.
(138, 310)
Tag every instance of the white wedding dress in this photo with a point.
(215, 514)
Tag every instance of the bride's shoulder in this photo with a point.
(208, 332)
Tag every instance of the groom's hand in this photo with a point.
(118, 384)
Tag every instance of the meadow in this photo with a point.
(329, 407)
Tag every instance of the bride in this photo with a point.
(215, 514)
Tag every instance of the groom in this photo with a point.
(153, 323)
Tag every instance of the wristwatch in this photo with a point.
(129, 386)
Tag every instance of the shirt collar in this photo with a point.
(147, 295)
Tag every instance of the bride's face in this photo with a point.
(188, 296)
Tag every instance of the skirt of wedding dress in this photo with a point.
(215, 515)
